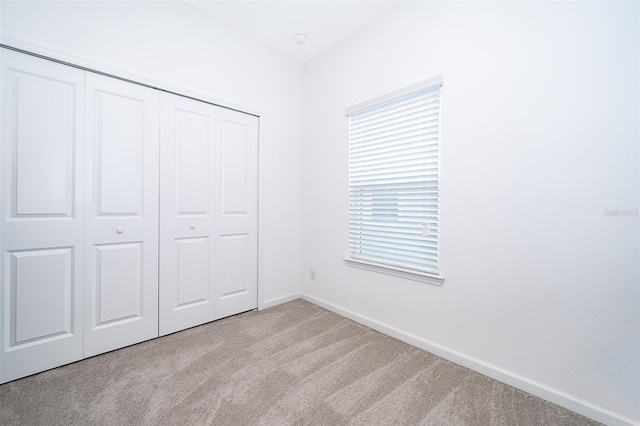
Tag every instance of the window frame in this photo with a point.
(379, 265)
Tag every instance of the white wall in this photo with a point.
(171, 43)
(540, 137)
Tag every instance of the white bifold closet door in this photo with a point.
(121, 214)
(125, 213)
(208, 213)
(41, 224)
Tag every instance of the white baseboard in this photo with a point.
(279, 300)
(531, 386)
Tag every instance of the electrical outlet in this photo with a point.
(312, 273)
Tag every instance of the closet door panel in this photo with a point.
(234, 252)
(119, 283)
(121, 233)
(187, 285)
(237, 213)
(192, 162)
(43, 163)
(41, 157)
(119, 153)
(42, 283)
(193, 258)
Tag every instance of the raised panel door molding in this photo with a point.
(235, 141)
(233, 271)
(193, 148)
(39, 304)
(119, 290)
(119, 135)
(42, 177)
(193, 260)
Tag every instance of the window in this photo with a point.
(394, 182)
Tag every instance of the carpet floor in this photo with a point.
(295, 363)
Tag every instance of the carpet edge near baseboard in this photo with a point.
(533, 387)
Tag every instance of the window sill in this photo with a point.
(409, 274)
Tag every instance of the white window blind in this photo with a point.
(394, 173)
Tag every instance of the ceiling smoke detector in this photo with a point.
(300, 38)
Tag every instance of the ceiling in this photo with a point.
(275, 23)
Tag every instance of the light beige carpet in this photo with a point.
(292, 364)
